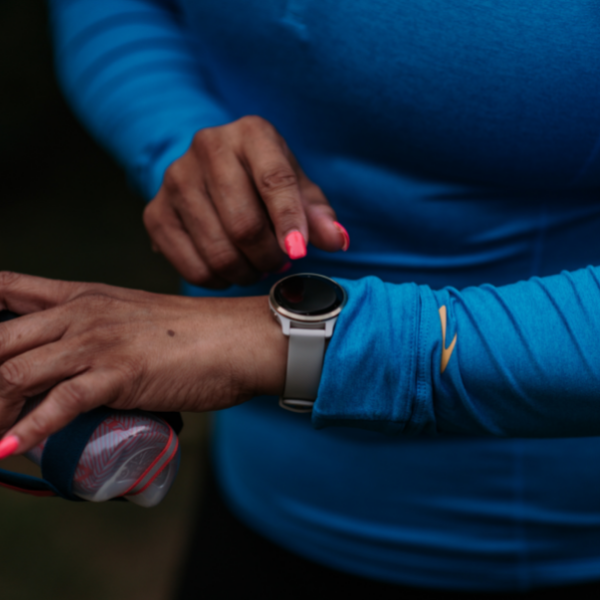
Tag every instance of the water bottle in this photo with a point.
(131, 455)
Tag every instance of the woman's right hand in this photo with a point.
(236, 205)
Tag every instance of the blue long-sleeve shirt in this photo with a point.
(458, 143)
(517, 360)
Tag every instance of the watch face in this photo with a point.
(308, 295)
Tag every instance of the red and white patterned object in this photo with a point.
(125, 455)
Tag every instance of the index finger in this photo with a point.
(277, 183)
(62, 404)
(24, 294)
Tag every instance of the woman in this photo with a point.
(457, 144)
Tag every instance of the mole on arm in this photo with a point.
(171, 333)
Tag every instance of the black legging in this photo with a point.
(227, 560)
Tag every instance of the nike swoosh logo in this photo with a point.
(446, 352)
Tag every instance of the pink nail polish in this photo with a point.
(345, 235)
(286, 267)
(295, 246)
(8, 446)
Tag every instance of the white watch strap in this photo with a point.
(304, 366)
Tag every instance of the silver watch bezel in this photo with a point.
(276, 307)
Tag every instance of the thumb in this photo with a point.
(324, 230)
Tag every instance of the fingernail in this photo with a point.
(345, 235)
(8, 446)
(295, 246)
(286, 267)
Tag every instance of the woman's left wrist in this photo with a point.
(265, 348)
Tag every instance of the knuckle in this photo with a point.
(38, 426)
(129, 374)
(95, 306)
(73, 396)
(223, 260)
(100, 336)
(208, 142)
(191, 207)
(215, 147)
(151, 222)
(254, 123)
(129, 370)
(246, 230)
(174, 177)
(149, 217)
(290, 213)
(276, 179)
(202, 136)
(14, 374)
(8, 278)
(96, 298)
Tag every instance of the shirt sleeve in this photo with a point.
(130, 72)
(520, 360)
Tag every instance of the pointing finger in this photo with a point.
(278, 186)
(65, 402)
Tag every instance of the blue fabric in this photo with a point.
(525, 362)
(458, 143)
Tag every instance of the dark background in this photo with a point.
(66, 211)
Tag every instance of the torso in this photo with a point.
(458, 142)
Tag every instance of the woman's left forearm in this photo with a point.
(519, 360)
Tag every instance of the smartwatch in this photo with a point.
(306, 306)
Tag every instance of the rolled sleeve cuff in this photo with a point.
(377, 368)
